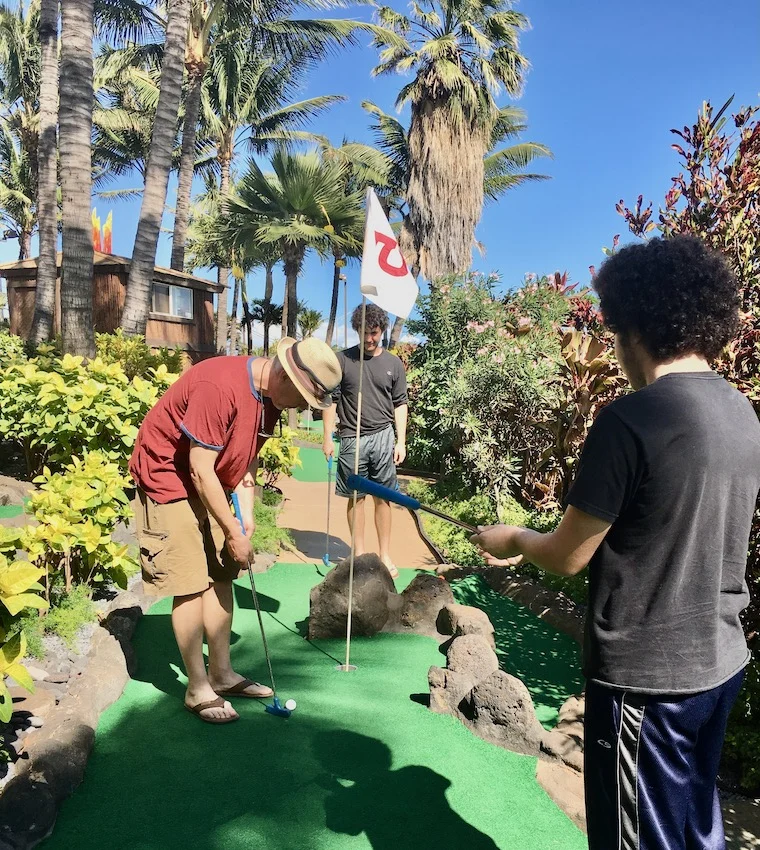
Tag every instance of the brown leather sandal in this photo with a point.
(238, 690)
(212, 703)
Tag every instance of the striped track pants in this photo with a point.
(650, 768)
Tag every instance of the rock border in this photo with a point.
(56, 755)
(559, 769)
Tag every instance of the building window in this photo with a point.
(172, 300)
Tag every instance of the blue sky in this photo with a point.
(608, 81)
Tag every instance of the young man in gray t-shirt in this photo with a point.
(660, 511)
(383, 426)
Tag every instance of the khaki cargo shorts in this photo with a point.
(182, 548)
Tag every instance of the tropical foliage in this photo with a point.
(56, 408)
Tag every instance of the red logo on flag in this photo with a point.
(389, 244)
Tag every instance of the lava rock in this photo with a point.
(472, 656)
(422, 601)
(455, 619)
(502, 711)
(372, 589)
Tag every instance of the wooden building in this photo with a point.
(182, 309)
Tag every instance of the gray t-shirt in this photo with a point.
(675, 467)
(383, 390)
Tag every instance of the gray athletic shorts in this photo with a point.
(375, 460)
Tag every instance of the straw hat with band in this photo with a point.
(312, 367)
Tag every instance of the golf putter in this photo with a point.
(356, 482)
(276, 707)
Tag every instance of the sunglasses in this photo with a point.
(322, 392)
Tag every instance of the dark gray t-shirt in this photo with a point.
(675, 467)
(383, 390)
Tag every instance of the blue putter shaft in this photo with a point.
(356, 482)
(276, 707)
(326, 556)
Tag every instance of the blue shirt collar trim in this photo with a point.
(256, 394)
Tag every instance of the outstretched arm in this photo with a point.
(564, 551)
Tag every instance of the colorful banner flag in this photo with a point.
(385, 278)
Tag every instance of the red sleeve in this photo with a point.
(208, 417)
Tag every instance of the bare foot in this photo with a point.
(390, 566)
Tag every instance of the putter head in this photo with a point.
(277, 708)
(326, 560)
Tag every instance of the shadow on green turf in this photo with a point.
(367, 796)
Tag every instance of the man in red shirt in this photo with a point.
(200, 442)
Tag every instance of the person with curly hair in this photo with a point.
(384, 407)
(660, 511)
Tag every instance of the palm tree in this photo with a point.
(300, 206)
(264, 311)
(503, 168)
(309, 321)
(76, 103)
(364, 166)
(18, 213)
(20, 73)
(227, 25)
(462, 56)
(244, 88)
(127, 86)
(47, 173)
(502, 171)
(19, 91)
(135, 315)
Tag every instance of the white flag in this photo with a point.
(385, 278)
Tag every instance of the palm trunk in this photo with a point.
(284, 328)
(292, 268)
(47, 176)
(137, 304)
(334, 302)
(186, 169)
(223, 274)
(268, 289)
(234, 322)
(246, 315)
(24, 244)
(76, 103)
(223, 279)
(445, 191)
(398, 326)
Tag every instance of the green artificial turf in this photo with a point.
(314, 465)
(9, 511)
(362, 763)
(316, 425)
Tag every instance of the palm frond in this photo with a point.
(495, 187)
(127, 21)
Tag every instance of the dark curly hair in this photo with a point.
(679, 296)
(376, 318)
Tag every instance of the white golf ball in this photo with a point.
(290, 705)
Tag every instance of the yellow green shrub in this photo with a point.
(55, 408)
(77, 512)
(19, 590)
